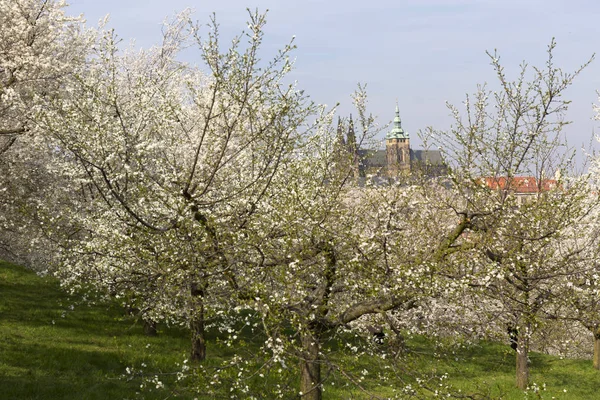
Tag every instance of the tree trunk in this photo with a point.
(150, 328)
(197, 325)
(522, 361)
(198, 339)
(310, 379)
(597, 348)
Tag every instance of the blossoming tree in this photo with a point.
(169, 162)
(522, 250)
(40, 46)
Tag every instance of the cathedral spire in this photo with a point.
(340, 134)
(397, 132)
(351, 141)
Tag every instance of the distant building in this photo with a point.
(398, 158)
(524, 188)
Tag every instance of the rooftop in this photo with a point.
(521, 184)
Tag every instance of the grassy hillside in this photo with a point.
(54, 347)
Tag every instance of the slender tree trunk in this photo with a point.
(310, 379)
(597, 348)
(198, 340)
(198, 352)
(522, 361)
(150, 328)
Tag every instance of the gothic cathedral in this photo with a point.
(398, 159)
(397, 144)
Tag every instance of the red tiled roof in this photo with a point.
(521, 184)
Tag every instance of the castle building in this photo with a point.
(398, 158)
(397, 147)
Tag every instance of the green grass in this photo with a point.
(50, 351)
(490, 367)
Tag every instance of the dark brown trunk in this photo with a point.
(310, 379)
(150, 328)
(597, 348)
(522, 361)
(198, 340)
(197, 325)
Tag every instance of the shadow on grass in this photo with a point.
(58, 370)
(79, 356)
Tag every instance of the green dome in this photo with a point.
(397, 132)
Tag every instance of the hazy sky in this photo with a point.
(421, 52)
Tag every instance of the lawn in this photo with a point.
(53, 346)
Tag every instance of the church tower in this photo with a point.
(397, 145)
(352, 147)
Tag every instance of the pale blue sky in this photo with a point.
(422, 52)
